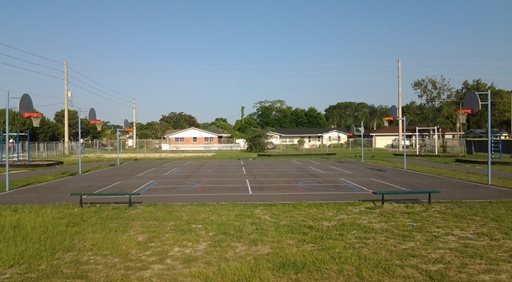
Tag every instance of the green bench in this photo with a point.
(407, 192)
(105, 194)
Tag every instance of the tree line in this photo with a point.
(436, 106)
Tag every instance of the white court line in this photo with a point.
(167, 164)
(350, 182)
(248, 186)
(186, 163)
(109, 186)
(144, 172)
(340, 169)
(242, 162)
(314, 168)
(241, 194)
(390, 184)
(171, 171)
(315, 162)
(143, 186)
(243, 168)
(296, 162)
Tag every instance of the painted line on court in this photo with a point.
(185, 164)
(109, 186)
(242, 162)
(243, 168)
(245, 194)
(296, 162)
(171, 171)
(248, 186)
(340, 169)
(317, 163)
(314, 168)
(390, 184)
(144, 172)
(146, 187)
(168, 164)
(356, 185)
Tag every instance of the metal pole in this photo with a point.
(7, 145)
(117, 141)
(66, 113)
(134, 127)
(79, 144)
(489, 141)
(405, 144)
(362, 144)
(399, 105)
(28, 145)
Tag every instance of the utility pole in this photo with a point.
(66, 117)
(134, 127)
(400, 107)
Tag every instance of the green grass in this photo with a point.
(455, 241)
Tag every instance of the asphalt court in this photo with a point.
(281, 180)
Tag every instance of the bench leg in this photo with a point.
(129, 200)
(429, 198)
(81, 202)
(382, 199)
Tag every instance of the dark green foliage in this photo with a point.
(256, 141)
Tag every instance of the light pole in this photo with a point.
(404, 120)
(7, 143)
(117, 142)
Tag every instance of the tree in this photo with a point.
(345, 114)
(315, 119)
(256, 140)
(179, 120)
(244, 126)
(433, 92)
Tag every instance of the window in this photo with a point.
(194, 139)
(176, 139)
(182, 139)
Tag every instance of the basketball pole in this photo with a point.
(7, 144)
(66, 114)
(134, 127)
(399, 106)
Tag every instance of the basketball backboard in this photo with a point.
(92, 114)
(393, 111)
(26, 106)
(472, 102)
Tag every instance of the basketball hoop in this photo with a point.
(98, 123)
(36, 118)
(462, 115)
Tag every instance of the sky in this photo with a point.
(210, 58)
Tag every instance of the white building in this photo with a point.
(313, 137)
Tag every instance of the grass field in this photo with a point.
(456, 241)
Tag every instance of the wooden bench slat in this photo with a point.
(106, 194)
(406, 192)
(397, 192)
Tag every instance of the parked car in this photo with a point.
(395, 143)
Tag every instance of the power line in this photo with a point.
(30, 70)
(114, 92)
(97, 94)
(29, 62)
(30, 53)
(96, 89)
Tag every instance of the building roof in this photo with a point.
(174, 132)
(304, 131)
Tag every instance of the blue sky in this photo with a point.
(209, 58)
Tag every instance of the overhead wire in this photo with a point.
(99, 90)
(114, 92)
(30, 70)
(32, 54)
